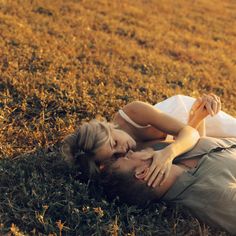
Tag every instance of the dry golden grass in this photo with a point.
(63, 62)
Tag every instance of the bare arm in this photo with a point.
(144, 114)
(202, 128)
(199, 126)
(186, 137)
(202, 107)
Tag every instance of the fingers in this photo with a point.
(152, 168)
(207, 101)
(156, 177)
(212, 103)
(202, 106)
(216, 102)
(209, 108)
(196, 104)
(160, 178)
(166, 175)
(219, 108)
(214, 106)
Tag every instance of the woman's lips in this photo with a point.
(131, 145)
(128, 147)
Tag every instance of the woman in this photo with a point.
(207, 187)
(136, 126)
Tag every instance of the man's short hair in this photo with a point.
(127, 187)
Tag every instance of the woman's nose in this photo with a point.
(122, 149)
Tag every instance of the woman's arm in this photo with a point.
(197, 117)
(186, 137)
(202, 128)
(145, 114)
(202, 107)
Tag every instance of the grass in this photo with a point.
(63, 62)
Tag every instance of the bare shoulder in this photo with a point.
(132, 109)
(141, 112)
(145, 114)
(136, 106)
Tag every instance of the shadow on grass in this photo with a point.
(41, 195)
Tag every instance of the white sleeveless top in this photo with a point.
(178, 106)
(128, 119)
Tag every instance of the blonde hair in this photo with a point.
(80, 146)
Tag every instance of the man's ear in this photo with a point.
(141, 172)
(101, 167)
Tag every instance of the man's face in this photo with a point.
(130, 164)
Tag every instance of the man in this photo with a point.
(207, 189)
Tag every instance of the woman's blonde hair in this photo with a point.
(80, 146)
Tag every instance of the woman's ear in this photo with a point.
(141, 172)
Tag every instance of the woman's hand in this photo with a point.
(159, 170)
(202, 107)
(160, 167)
(212, 104)
(198, 111)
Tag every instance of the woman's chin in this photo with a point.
(132, 145)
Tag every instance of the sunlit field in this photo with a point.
(64, 62)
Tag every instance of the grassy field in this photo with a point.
(63, 62)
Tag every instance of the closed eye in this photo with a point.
(114, 144)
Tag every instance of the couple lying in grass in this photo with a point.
(135, 159)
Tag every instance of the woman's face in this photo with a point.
(118, 144)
